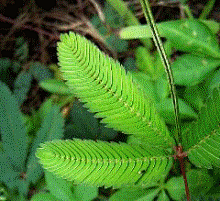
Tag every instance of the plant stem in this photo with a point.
(180, 155)
(188, 11)
(150, 21)
(207, 9)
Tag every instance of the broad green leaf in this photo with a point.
(190, 70)
(175, 187)
(212, 25)
(134, 194)
(55, 86)
(85, 193)
(58, 187)
(166, 110)
(13, 131)
(186, 35)
(44, 197)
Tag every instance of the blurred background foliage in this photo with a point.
(41, 105)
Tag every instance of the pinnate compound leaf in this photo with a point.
(186, 35)
(202, 138)
(190, 70)
(13, 131)
(51, 128)
(108, 90)
(102, 163)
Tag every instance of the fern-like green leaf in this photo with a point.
(102, 163)
(202, 139)
(109, 91)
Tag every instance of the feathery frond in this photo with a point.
(202, 139)
(103, 163)
(109, 91)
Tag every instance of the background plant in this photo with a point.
(199, 91)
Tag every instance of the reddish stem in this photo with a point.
(180, 155)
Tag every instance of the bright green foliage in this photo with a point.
(109, 90)
(144, 60)
(199, 182)
(166, 110)
(190, 69)
(135, 194)
(102, 163)
(202, 139)
(13, 131)
(55, 86)
(186, 35)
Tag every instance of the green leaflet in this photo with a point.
(102, 163)
(108, 90)
(186, 35)
(190, 70)
(13, 131)
(202, 139)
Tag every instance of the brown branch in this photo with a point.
(29, 27)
